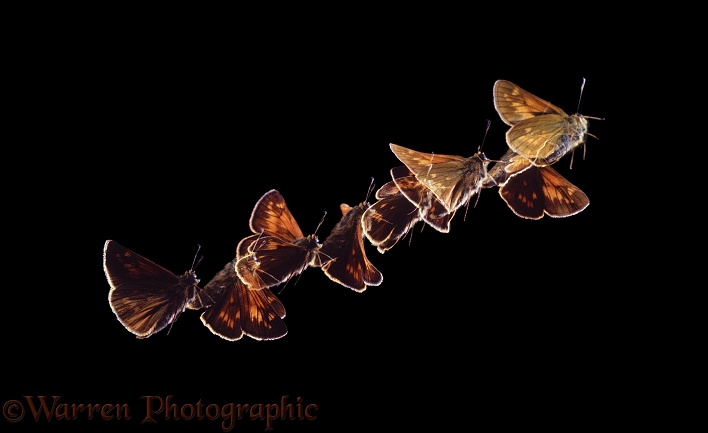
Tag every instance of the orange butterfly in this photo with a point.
(233, 309)
(400, 204)
(540, 131)
(278, 250)
(390, 217)
(346, 261)
(144, 296)
(453, 179)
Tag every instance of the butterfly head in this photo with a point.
(310, 242)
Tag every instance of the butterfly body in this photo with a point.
(144, 296)
(539, 130)
(278, 250)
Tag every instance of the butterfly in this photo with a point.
(400, 204)
(453, 179)
(233, 309)
(540, 131)
(278, 250)
(343, 249)
(144, 296)
(390, 217)
(531, 191)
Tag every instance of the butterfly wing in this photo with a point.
(390, 217)
(547, 138)
(272, 217)
(514, 104)
(536, 191)
(523, 193)
(388, 189)
(241, 311)
(144, 296)
(420, 162)
(347, 263)
(561, 198)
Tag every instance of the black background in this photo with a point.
(164, 137)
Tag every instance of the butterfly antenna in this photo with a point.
(582, 87)
(371, 189)
(481, 154)
(195, 261)
(484, 138)
(321, 221)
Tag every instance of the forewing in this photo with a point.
(272, 217)
(539, 137)
(347, 262)
(420, 162)
(514, 104)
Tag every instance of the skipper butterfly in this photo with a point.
(343, 249)
(278, 250)
(453, 179)
(144, 296)
(540, 131)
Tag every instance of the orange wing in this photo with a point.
(343, 249)
(239, 310)
(536, 191)
(272, 217)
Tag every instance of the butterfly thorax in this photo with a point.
(190, 283)
(574, 134)
(311, 243)
(190, 277)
